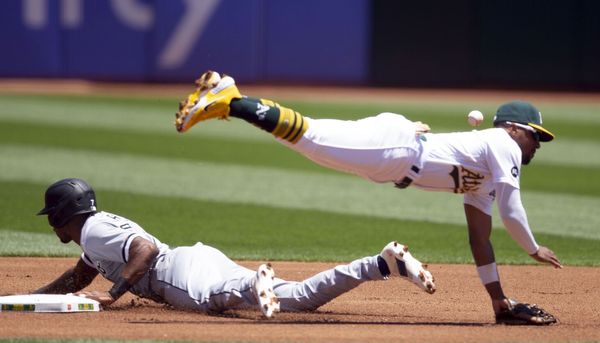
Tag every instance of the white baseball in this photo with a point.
(475, 118)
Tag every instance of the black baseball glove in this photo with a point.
(525, 314)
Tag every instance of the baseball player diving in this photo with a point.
(199, 277)
(482, 165)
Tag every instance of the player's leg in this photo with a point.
(310, 294)
(223, 284)
(380, 148)
(217, 97)
(240, 287)
(202, 278)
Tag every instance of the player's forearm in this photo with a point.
(69, 282)
(480, 229)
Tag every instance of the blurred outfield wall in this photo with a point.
(174, 40)
(461, 43)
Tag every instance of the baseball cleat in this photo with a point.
(211, 99)
(263, 289)
(398, 261)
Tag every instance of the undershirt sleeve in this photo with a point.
(514, 217)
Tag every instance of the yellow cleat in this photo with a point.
(211, 99)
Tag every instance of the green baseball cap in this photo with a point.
(523, 113)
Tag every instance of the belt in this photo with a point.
(406, 181)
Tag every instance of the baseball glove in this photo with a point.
(525, 314)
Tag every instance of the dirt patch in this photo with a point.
(392, 310)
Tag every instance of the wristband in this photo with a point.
(119, 288)
(488, 273)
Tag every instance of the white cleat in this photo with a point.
(399, 262)
(263, 289)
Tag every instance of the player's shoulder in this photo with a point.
(106, 219)
(104, 224)
(480, 138)
(501, 146)
(494, 133)
(499, 136)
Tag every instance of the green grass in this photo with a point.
(231, 186)
(258, 153)
(254, 232)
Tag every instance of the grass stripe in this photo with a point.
(576, 111)
(446, 118)
(19, 243)
(578, 121)
(572, 177)
(549, 213)
(246, 231)
(113, 115)
(565, 152)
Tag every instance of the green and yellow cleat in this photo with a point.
(211, 99)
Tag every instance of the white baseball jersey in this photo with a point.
(105, 241)
(388, 148)
(385, 147)
(470, 163)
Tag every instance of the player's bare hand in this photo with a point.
(546, 255)
(421, 127)
(103, 298)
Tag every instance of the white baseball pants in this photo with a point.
(380, 148)
(202, 278)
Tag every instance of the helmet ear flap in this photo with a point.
(67, 198)
(56, 217)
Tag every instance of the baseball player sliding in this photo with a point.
(482, 165)
(199, 277)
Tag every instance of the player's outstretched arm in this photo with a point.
(515, 219)
(480, 229)
(73, 280)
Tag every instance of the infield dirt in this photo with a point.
(382, 311)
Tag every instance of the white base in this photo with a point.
(48, 303)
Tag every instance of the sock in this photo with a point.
(280, 121)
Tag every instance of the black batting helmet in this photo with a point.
(67, 198)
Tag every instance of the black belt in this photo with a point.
(406, 181)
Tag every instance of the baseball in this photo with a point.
(475, 118)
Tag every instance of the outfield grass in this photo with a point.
(232, 186)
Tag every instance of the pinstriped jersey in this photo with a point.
(105, 241)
